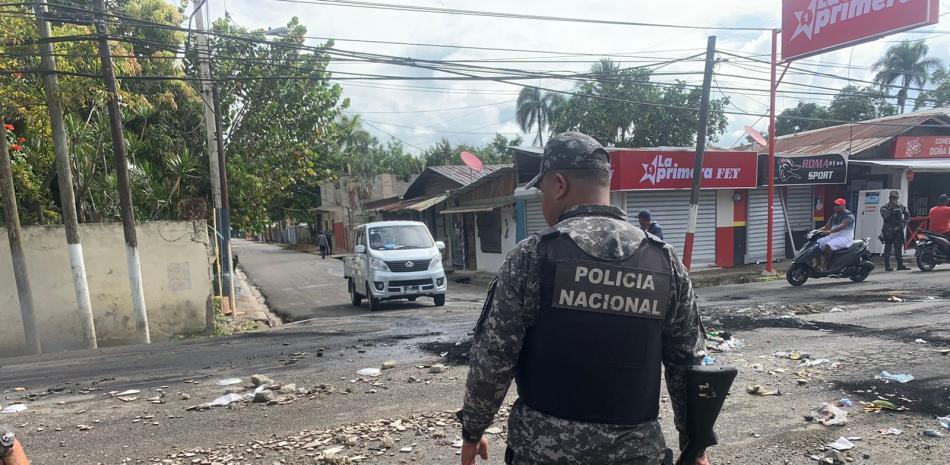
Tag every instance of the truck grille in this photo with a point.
(411, 282)
(408, 266)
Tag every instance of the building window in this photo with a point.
(489, 231)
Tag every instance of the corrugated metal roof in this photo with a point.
(418, 203)
(464, 175)
(858, 137)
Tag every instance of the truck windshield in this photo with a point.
(399, 238)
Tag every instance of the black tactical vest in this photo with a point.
(594, 354)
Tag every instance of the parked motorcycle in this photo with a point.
(853, 262)
(932, 250)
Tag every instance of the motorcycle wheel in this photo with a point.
(861, 275)
(926, 261)
(796, 275)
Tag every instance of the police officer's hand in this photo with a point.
(472, 449)
(702, 460)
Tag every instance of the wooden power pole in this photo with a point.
(16, 248)
(122, 176)
(64, 175)
(700, 148)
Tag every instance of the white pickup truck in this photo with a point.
(395, 260)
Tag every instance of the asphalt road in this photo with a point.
(861, 329)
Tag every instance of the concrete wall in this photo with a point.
(491, 262)
(176, 268)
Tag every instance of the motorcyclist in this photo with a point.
(895, 217)
(839, 230)
(939, 217)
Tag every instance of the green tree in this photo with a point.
(537, 109)
(939, 96)
(805, 116)
(279, 133)
(905, 64)
(623, 108)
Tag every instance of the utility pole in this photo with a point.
(226, 262)
(64, 175)
(215, 141)
(700, 148)
(20, 274)
(122, 176)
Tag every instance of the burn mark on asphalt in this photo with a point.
(906, 335)
(456, 353)
(927, 396)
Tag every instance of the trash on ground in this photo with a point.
(845, 402)
(130, 392)
(894, 298)
(842, 444)
(229, 381)
(816, 362)
(898, 377)
(759, 390)
(369, 372)
(437, 368)
(920, 341)
(933, 433)
(880, 404)
(224, 400)
(127, 398)
(389, 365)
(14, 408)
(944, 422)
(891, 431)
(792, 355)
(944, 351)
(259, 380)
(832, 416)
(707, 360)
(723, 341)
(836, 309)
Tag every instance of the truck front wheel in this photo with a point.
(439, 300)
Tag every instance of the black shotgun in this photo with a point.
(706, 389)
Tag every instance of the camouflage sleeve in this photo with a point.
(498, 338)
(683, 341)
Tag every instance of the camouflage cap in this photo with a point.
(571, 151)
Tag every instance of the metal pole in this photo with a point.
(772, 89)
(20, 273)
(700, 148)
(217, 250)
(225, 226)
(64, 175)
(122, 176)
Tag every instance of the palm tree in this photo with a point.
(906, 63)
(535, 108)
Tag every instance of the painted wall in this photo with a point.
(176, 268)
(491, 262)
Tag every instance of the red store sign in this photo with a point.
(639, 169)
(922, 147)
(815, 26)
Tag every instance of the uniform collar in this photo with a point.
(608, 211)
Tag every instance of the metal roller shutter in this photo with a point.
(758, 228)
(534, 218)
(799, 204)
(671, 210)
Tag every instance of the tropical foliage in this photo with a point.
(904, 65)
(851, 103)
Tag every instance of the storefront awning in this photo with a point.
(933, 165)
(468, 209)
(425, 204)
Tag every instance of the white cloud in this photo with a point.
(476, 125)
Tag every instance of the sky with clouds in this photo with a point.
(421, 112)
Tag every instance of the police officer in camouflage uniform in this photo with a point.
(895, 217)
(582, 315)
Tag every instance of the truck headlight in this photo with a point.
(436, 263)
(377, 264)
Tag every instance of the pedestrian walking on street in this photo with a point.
(645, 218)
(896, 218)
(329, 242)
(323, 244)
(582, 315)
